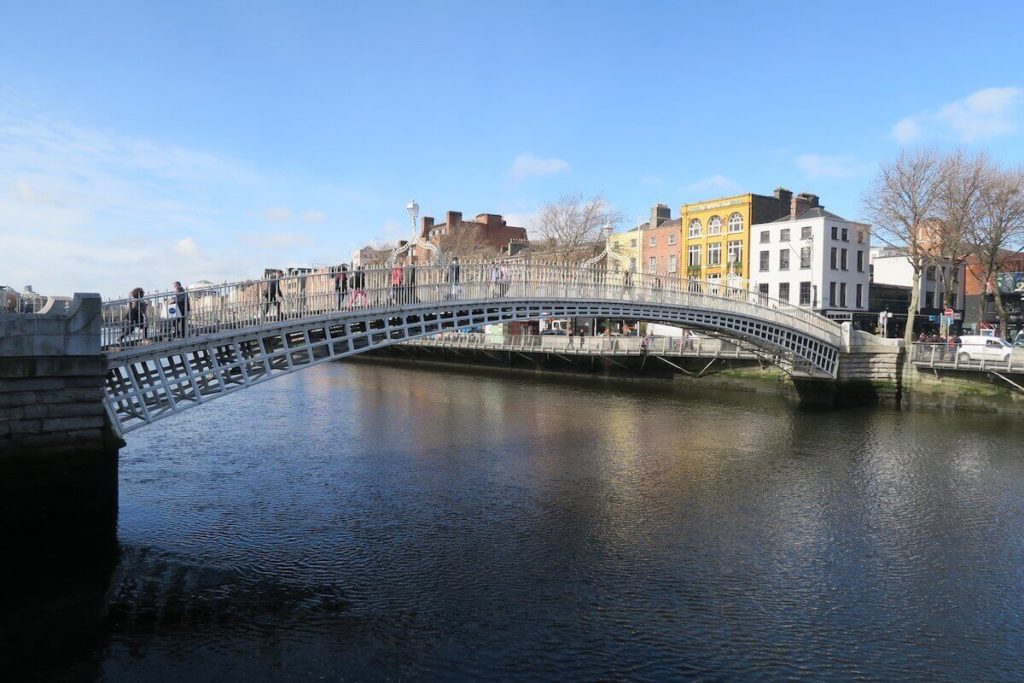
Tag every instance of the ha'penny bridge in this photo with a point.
(239, 334)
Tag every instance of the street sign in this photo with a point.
(948, 312)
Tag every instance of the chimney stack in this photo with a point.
(428, 223)
(785, 200)
(801, 203)
(453, 218)
(660, 214)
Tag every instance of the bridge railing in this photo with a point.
(207, 309)
(587, 345)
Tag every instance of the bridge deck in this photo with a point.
(238, 334)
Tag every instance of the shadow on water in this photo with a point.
(59, 516)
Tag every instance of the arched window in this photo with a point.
(695, 227)
(735, 223)
(714, 225)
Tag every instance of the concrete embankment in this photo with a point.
(870, 374)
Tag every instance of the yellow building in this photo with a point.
(627, 244)
(716, 232)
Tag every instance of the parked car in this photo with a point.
(976, 348)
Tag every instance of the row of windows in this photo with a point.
(805, 294)
(838, 259)
(673, 264)
(840, 235)
(715, 225)
(653, 241)
(734, 254)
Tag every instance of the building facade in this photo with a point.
(812, 258)
(661, 243)
(486, 229)
(627, 245)
(716, 233)
(890, 266)
(979, 296)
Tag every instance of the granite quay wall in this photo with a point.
(58, 454)
(51, 381)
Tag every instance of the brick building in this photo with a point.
(980, 294)
(661, 242)
(491, 230)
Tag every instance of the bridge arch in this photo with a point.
(227, 349)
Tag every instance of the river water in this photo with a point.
(366, 522)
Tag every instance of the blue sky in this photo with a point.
(146, 142)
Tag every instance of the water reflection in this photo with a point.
(368, 522)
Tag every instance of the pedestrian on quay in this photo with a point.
(181, 303)
(341, 285)
(136, 314)
(571, 335)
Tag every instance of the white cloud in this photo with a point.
(825, 166)
(83, 209)
(715, 183)
(278, 240)
(186, 247)
(277, 214)
(907, 131)
(527, 165)
(982, 115)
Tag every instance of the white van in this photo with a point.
(976, 348)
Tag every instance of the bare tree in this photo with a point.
(900, 202)
(958, 210)
(572, 225)
(466, 240)
(999, 235)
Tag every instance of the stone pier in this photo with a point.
(58, 455)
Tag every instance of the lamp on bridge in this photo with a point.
(414, 213)
(417, 240)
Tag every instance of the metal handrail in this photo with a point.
(212, 309)
(588, 345)
(942, 355)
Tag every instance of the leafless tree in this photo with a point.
(901, 201)
(958, 210)
(466, 240)
(571, 226)
(999, 234)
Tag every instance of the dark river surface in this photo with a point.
(366, 522)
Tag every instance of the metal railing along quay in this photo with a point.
(946, 357)
(211, 309)
(697, 347)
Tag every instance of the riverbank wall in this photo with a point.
(871, 373)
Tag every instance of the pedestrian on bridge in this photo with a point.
(182, 305)
(453, 278)
(341, 284)
(396, 284)
(359, 288)
(273, 291)
(136, 314)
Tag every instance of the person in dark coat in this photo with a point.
(182, 304)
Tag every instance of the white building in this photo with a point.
(890, 266)
(812, 258)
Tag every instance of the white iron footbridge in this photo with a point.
(236, 335)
